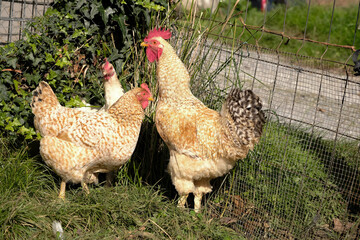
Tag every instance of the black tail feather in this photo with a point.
(245, 108)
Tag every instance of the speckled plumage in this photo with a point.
(203, 143)
(78, 144)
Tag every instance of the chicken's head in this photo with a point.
(154, 47)
(108, 70)
(144, 96)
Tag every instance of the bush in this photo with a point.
(65, 48)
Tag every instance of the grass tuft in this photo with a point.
(29, 206)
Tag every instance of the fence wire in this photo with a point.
(302, 180)
(304, 176)
(14, 15)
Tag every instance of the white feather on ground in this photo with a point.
(58, 230)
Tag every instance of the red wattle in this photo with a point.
(151, 55)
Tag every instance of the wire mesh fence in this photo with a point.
(14, 15)
(302, 180)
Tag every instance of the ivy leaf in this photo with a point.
(37, 61)
(6, 107)
(63, 62)
(32, 78)
(77, 33)
(79, 4)
(105, 14)
(95, 8)
(12, 62)
(27, 132)
(52, 74)
(3, 92)
(49, 58)
(11, 125)
(31, 57)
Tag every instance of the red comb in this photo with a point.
(106, 65)
(145, 86)
(164, 33)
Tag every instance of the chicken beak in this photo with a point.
(144, 44)
(151, 99)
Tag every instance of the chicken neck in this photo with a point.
(173, 77)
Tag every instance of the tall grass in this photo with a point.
(29, 205)
(296, 24)
(287, 183)
(141, 204)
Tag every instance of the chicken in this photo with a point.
(50, 123)
(196, 4)
(203, 144)
(112, 87)
(77, 145)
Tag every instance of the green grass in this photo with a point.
(318, 27)
(284, 179)
(29, 205)
(287, 182)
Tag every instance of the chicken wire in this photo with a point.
(311, 99)
(14, 15)
(298, 182)
(323, 105)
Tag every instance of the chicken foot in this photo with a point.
(85, 187)
(182, 201)
(86, 178)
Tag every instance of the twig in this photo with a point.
(159, 228)
(112, 39)
(230, 15)
(11, 70)
(77, 49)
(282, 34)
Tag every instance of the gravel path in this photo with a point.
(294, 89)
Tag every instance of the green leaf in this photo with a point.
(11, 125)
(6, 107)
(75, 102)
(63, 62)
(52, 74)
(3, 92)
(12, 62)
(49, 58)
(95, 8)
(77, 33)
(106, 13)
(27, 132)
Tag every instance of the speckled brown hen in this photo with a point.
(51, 123)
(87, 143)
(203, 143)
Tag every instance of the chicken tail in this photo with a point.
(43, 98)
(244, 107)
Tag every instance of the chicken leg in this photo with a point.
(62, 189)
(182, 200)
(197, 202)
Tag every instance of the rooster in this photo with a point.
(77, 145)
(204, 144)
